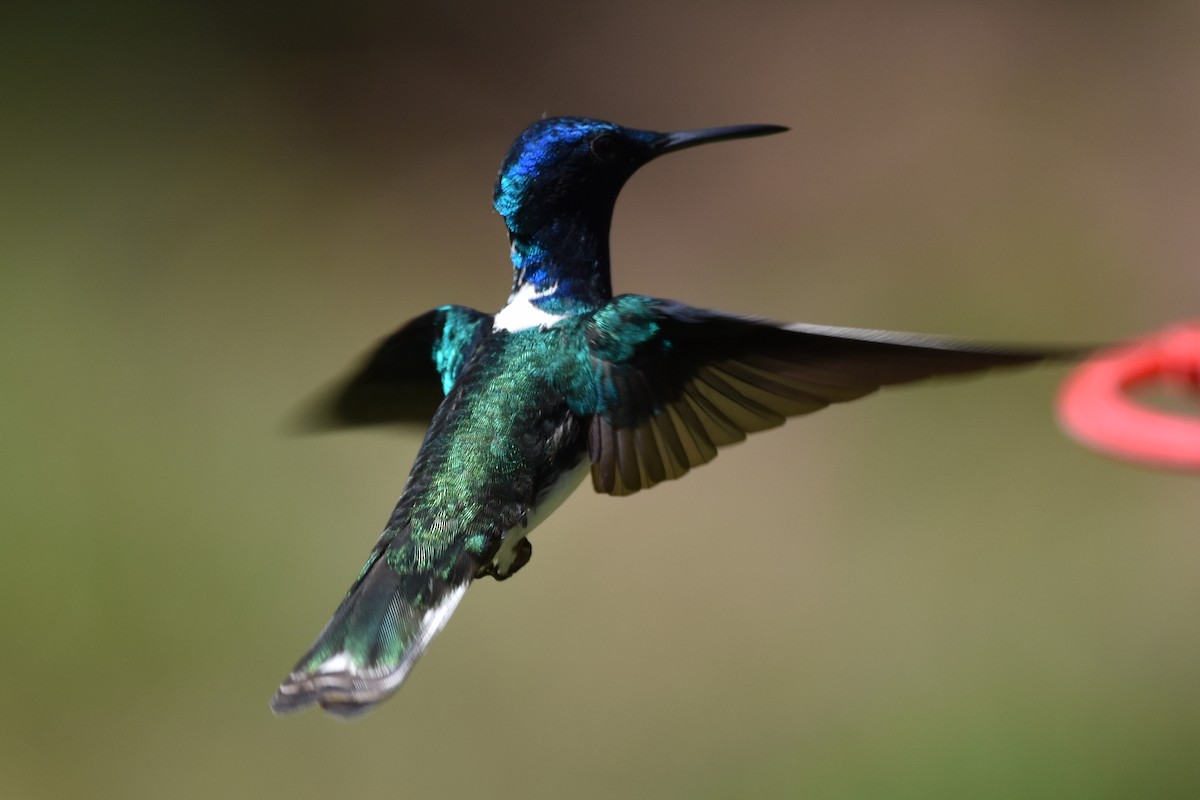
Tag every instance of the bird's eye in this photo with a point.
(604, 147)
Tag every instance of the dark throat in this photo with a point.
(566, 262)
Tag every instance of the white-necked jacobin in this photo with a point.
(563, 380)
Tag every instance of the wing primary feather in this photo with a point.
(627, 460)
(664, 422)
(604, 471)
(706, 450)
(648, 453)
(641, 395)
(782, 385)
(751, 415)
(720, 428)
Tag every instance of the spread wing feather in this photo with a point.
(677, 383)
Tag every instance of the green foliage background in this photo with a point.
(208, 213)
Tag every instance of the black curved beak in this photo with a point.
(680, 140)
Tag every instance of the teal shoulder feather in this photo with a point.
(404, 378)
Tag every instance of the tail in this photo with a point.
(376, 635)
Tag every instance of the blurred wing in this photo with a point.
(406, 376)
(675, 383)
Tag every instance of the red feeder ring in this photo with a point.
(1095, 408)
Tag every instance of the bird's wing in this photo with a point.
(672, 383)
(405, 376)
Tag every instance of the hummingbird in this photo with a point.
(565, 380)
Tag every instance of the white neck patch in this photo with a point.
(521, 313)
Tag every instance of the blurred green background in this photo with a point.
(208, 212)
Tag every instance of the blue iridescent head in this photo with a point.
(564, 166)
(558, 185)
